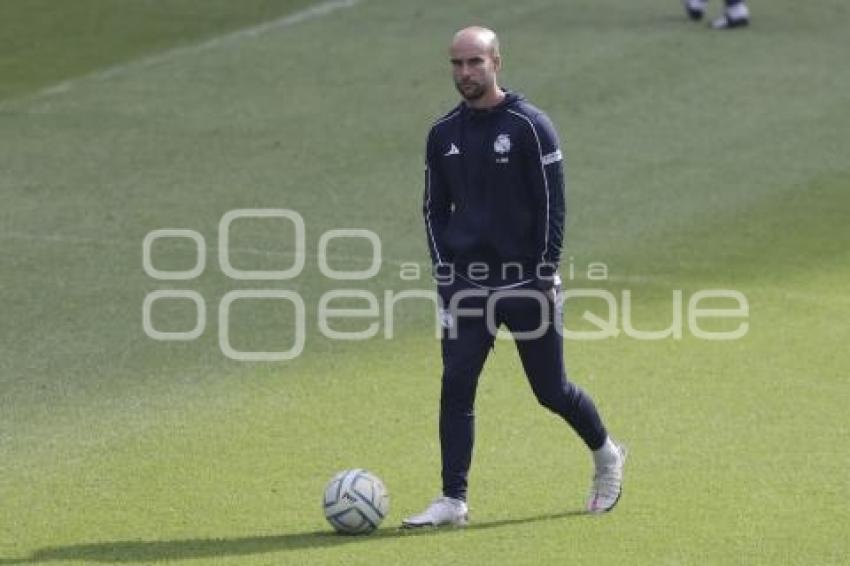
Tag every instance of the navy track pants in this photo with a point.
(466, 342)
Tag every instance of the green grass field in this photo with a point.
(696, 160)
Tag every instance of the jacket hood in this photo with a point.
(510, 99)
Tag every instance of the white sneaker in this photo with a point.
(607, 484)
(736, 16)
(442, 511)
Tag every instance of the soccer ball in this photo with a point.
(355, 502)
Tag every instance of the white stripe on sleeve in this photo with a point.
(553, 157)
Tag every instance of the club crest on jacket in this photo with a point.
(502, 144)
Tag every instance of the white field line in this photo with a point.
(311, 13)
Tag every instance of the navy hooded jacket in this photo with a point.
(494, 190)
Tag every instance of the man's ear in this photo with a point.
(497, 62)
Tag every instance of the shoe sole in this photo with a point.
(423, 526)
(456, 524)
(732, 24)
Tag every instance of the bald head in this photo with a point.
(476, 61)
(477, 37)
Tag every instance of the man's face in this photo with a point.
(473, 69)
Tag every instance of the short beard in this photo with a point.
(477, 93)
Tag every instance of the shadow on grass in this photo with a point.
(152, 551)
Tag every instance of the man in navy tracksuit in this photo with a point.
(494, 218)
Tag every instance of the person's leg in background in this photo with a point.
(735, 15)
